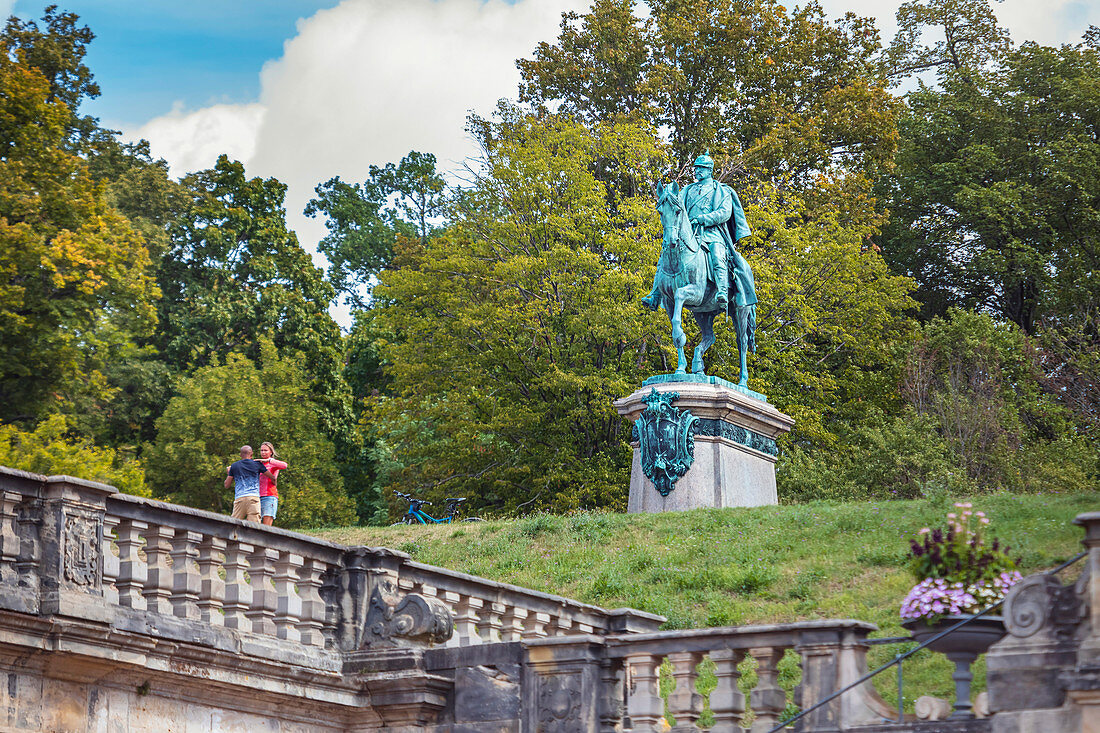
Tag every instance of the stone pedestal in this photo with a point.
(734, 434)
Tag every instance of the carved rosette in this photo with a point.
(82, 545)
(560, 704)
(666, 440)
(410, 620)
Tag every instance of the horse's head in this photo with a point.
(671, 210)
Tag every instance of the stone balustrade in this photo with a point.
(486, 611)
(138, 557)
(612, 683)
(194, 565)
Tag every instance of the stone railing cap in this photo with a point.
(796, 626)
(232, 525)
(625, 611)
(81, 482)
(506, 587)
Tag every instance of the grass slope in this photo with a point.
(717, 567)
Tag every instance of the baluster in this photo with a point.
(685, 704)
(238, 593)
(452, 601)
(612, 695)
(563, 624)
(185, 576)
(767, 698)
(513, 621)
(262, 612)
(158, 586)
(536, 626)
(9, 537)
(110, 560)
(312, 623)
(466, 620)
(211, 587)
(132, 570)
(727, 702)
(490, 631)
(288, 608)
(29, 518)
(643, 701)
(330, 589)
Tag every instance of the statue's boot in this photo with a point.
(652, 301)
(721, 280)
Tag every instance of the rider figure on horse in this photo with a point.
(718, 221)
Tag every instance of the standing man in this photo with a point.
(719, 221)
(244, 476)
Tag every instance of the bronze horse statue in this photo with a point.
(683, 280)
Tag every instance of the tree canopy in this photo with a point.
(925, 245)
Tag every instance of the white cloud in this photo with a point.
(364, 83)
(192, 141)
(1047, 21)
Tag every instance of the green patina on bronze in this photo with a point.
(722, 429)
(666, 439)
(703, 379)
(700, 267)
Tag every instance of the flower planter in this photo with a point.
(962, 647)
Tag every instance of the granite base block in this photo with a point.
(734, 448)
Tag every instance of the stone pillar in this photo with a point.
(733, 438)
(562, 684)
(1088, 655)
(71, 558)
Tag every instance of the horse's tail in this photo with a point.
(744, 323)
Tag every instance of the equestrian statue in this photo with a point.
(700, 267)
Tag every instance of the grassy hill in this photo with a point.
(716, 567)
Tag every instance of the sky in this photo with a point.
(304, 90)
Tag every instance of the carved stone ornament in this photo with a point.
(560, 704)
(1041, 601)
(410, 620)
(666, 439)
(81, 550)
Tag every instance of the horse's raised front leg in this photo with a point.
(706, 340)
(678, 338)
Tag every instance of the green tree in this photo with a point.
(224, 406)
(996, 196)
(364, 220)
(76, 275)
(234, 273)
(50, 449)
(781, 89)
(507, 336)
(57, 50)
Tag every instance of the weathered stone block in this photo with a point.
(734, 449)
(487, 694)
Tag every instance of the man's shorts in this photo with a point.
(247, 507)
(269, 506)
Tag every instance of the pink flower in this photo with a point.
(951, 516)
(924, 530)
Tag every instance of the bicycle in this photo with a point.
(416, 515)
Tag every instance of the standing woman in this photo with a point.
(269, 494)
